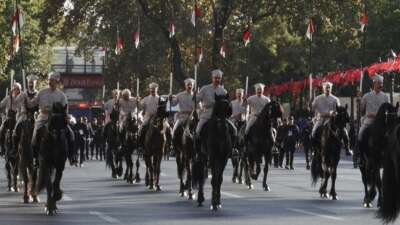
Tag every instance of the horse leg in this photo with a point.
(14, 175)
(8, 170)
(307, 154)
(202, 174)
(25, 178)
(157, 167)
(179, 167)
(214, 184)
(266, 167)
(379, 187)
(333, 193)
(367, 202)
(247, 171)
(137, 176)
(324, 184)
(189, 178)
(241, 168)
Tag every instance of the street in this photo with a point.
(91, 196)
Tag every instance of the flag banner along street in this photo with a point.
(196, 13)
(310, 30)
(363, 22)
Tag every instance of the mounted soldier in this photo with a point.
(371, 102)
(12, 105)
(206, 97)
(26, 112)
(238, 108)
(110, 104)
(256, 103)
(149, 106)
(127, 105)
(324, 107)
(45, 100)
(186, 104)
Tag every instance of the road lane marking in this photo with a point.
(105, 217)
(231, 194)
(66, 198)
(315, 214)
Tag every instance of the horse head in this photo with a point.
(342, 117)
(222, 107)
(271, 112)
(386, 115)
(58, 117)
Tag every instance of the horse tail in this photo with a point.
(316, 168)
(390, 207)
(109, 158)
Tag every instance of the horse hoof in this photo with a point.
(219, 206)
(308, 167)
(324, 195)
(266, 188)
(137, 180)
(151, 188)
(334, 197)
(251, 187)
(158, 188)
(241, 181)
(35, 199)
(191, 197)
(214, 208)
(26, 199)
(367, 205)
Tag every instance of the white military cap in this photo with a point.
(126, 92)
(32, 78)
(217, 73)
(240, 90)
(327, 84)
(189, 81)
(259, 85)
(153, 85)
(378, 78)
(115, 91)
(54, 76)
(17, 85)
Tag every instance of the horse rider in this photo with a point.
(45, 100)
(12, 105)
(127, 105)
(256, 104)
(206, 97)
(30, 93)
(110, 104)
(371, 102)
(324, 106)
(149, 106)
(185, 101)
(238, 109)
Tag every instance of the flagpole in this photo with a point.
(21, 46)
(310, 49)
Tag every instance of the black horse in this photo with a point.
(327, 151)
(113, 150)
(238, 154)
(27, 167)
(53, 153)
(183, 142)
(154, 145)
(129, 134)
(217, 140)
(260, 142)
(11, 153)
(373, 141)
(390, 205)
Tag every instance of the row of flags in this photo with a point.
(311, 27)
(246, 36)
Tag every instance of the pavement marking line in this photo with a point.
(105, 217)
(315, 214)
(66, 198)
(231, 194)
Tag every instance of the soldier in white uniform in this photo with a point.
(371, 102)
(31, 92)
(238, 108)
(45, 100)
(149, 106)
(324, 106)
(256, 103)
(127, 105)
(206, 97)
(186, 103)
(110, 104)
(12, 105)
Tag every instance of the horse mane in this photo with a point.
(222, 107)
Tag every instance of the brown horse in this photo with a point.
(154, 145)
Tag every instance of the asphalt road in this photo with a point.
(91, 196)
